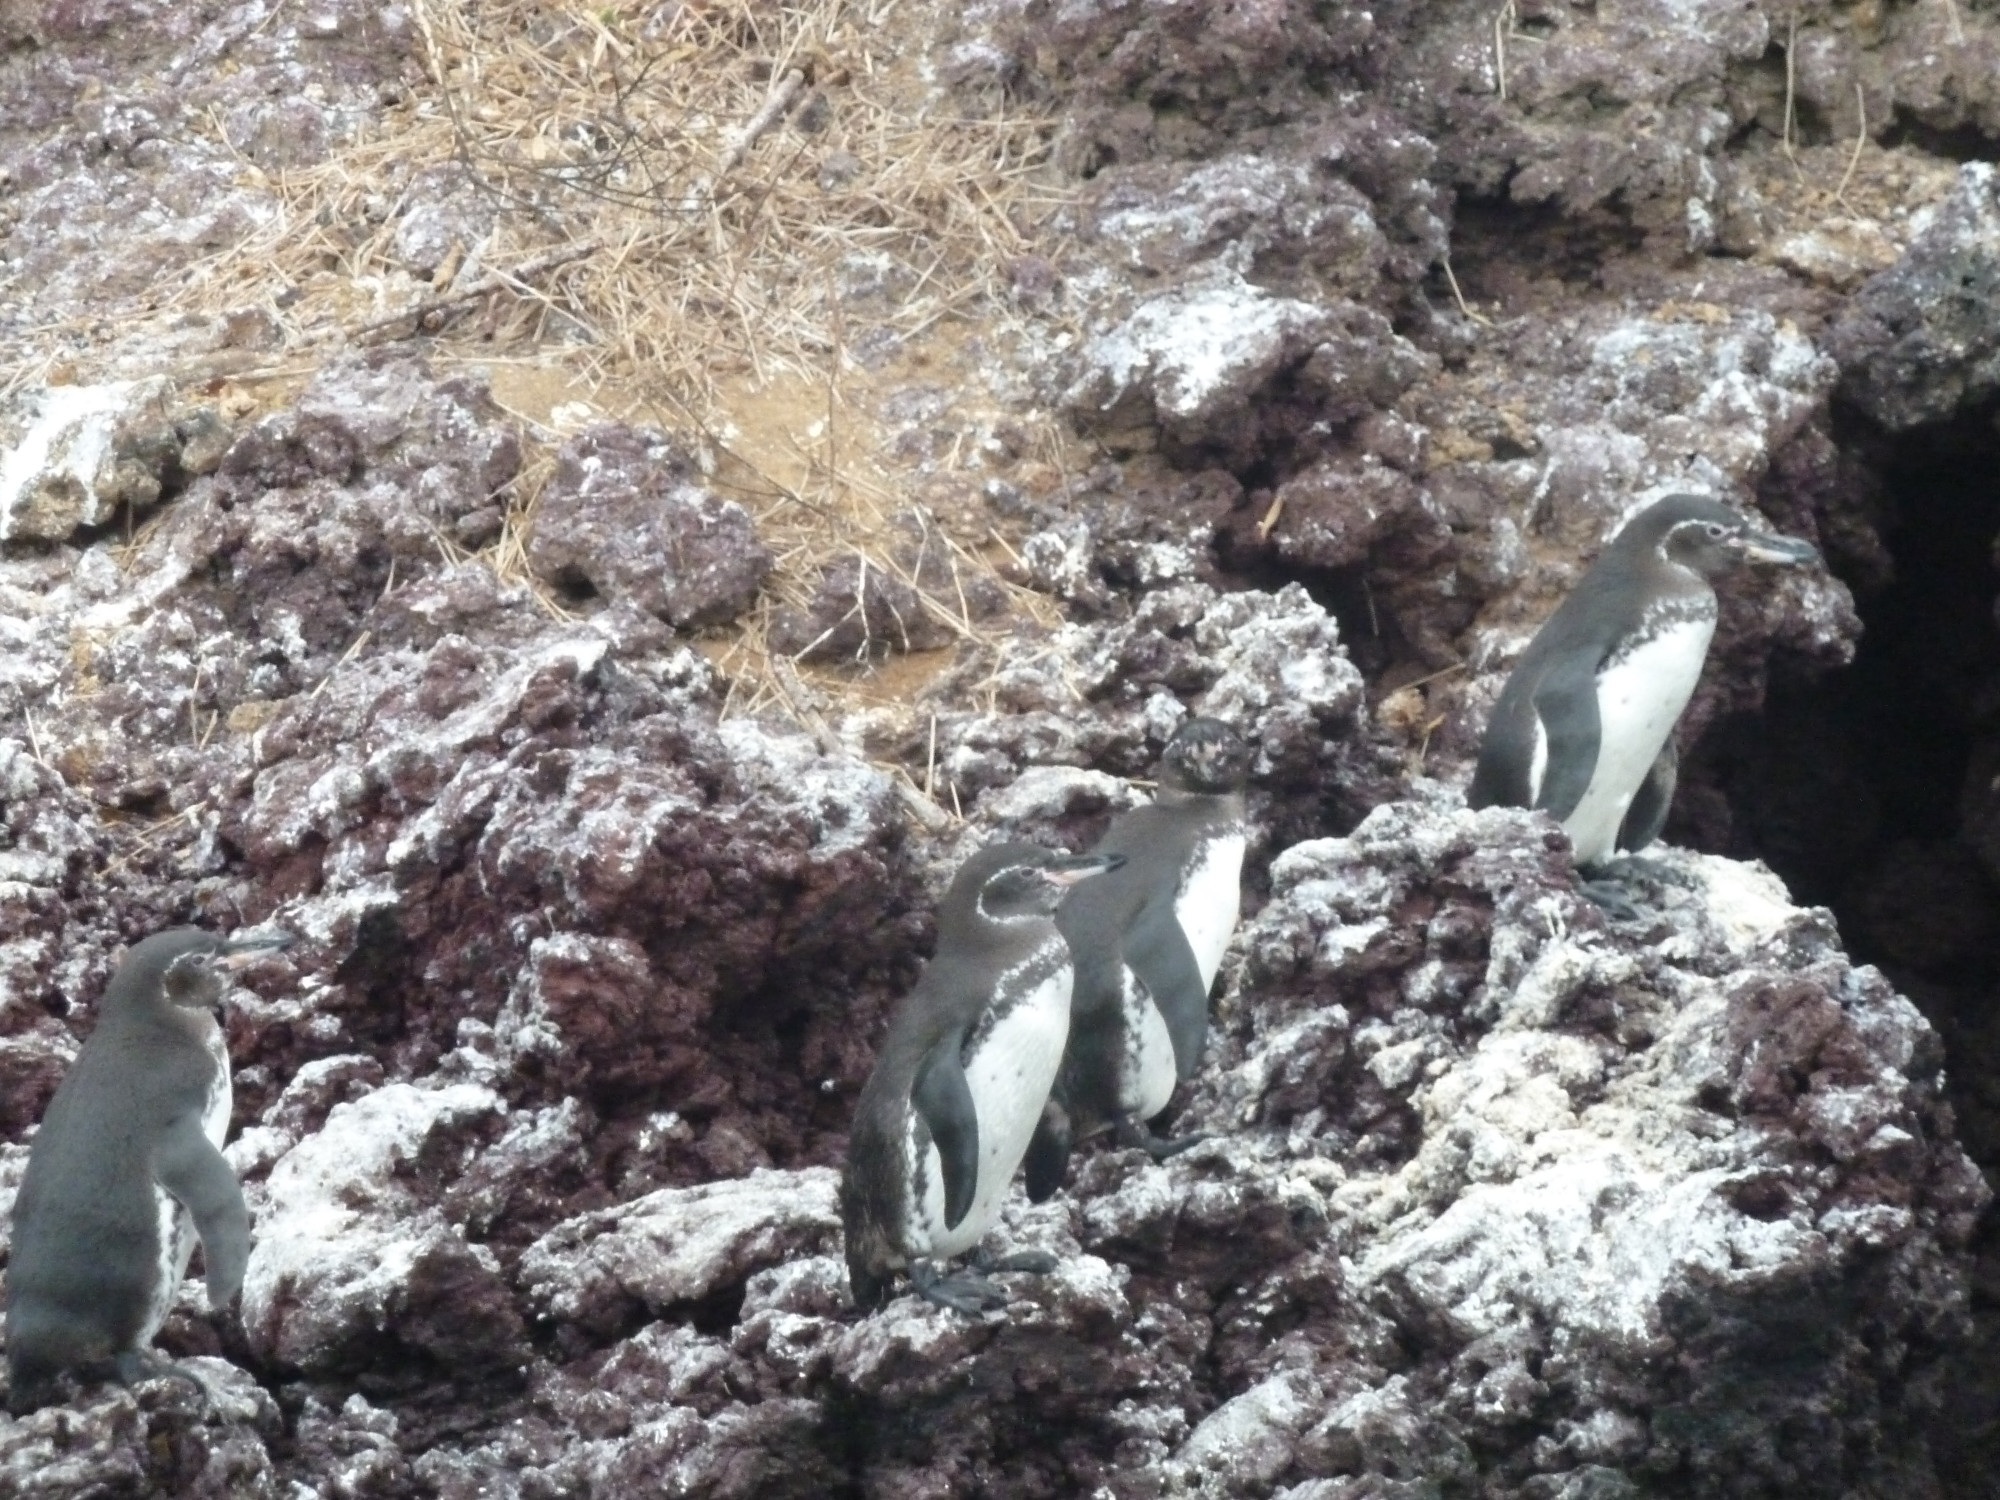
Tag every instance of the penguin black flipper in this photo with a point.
(1047, 1161)
(1565, 707)
(1504, 775)
(1541, 741)
(199, 1177)
(1648, 813)
(1157, 952)
(943, 1099)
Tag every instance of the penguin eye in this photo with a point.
(1716, 531)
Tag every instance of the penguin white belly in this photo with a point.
(176, 1231)
(1206, 906)
(1010, 1071)
(1211, 899)
(1640, 696)
(1146, 1081)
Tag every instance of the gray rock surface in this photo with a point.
(1918, 342)
(1365, 352)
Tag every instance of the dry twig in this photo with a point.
(492, 282)
(773, 108)
(1860, 140)
(1791, 84)
(1459, 297)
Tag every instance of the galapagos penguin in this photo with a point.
(1147, 941)
(945, 1117)
(1583, 728)
(126, 1171)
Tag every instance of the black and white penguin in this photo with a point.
(1147, 941)
(945, 1117)
(126, 1170)
(1584, 727)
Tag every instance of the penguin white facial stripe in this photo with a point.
(1005, 919)
(1697, 529)
(1640, 696)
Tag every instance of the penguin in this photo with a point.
(1583, 728)
(1147, 941)
(126, 1171)
(945, 1117)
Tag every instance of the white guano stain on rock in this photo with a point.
(1197, 348)
(340, 1232)
(680, 1244)
(48, 477)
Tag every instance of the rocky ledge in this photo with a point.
(538, 1119)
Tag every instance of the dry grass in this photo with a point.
(621, 127)
(733, 172)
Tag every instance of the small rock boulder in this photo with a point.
(678, 1245)
(859, 612)
(1921, 341)
(72, 455)
(625, 516)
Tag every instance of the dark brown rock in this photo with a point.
(860, 613)
(1921, 340)
(625, 517)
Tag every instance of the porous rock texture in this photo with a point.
(1373, 325)
(624, 517)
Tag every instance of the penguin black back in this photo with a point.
(97, 1247)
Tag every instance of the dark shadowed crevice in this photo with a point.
(1876, 791)
(1870, 789)
(1505, 252)
(1966, 143)
(717, 1314)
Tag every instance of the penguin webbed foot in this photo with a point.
(1617, 886)
(1609, 895)
(1135, 1133)
(966, 1292)
(135, 1365)
(1026, 1262)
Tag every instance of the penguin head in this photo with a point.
(186, 966)
(1709, 538)
(1018, 882)
(1205, 756)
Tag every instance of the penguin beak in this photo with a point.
(1074, 867)
(248, 947)
(1787, 551)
